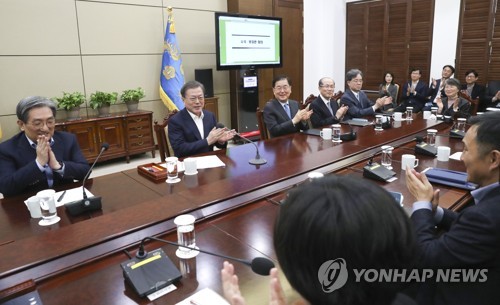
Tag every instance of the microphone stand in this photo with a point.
(257, 160)
(259, 265)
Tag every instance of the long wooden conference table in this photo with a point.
(78, 259)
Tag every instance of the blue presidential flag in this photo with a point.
(172, 74)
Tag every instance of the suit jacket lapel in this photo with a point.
(191, 124)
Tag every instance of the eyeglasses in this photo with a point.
(359, 81)
(279, 88)
(38, 124)
(328, 86)
(196, 98)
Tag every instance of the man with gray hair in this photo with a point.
(39, 157)
(357, 101)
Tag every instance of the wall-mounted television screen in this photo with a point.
(244, 41)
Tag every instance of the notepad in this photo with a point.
(450, 178)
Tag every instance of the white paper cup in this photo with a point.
(190, 166)
(443, 153)
(326, 133)
(33, 205)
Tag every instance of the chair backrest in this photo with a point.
(161, 131)
(264, 133)
(308, 100)
(397, 94)
(474, 103)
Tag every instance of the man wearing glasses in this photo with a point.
(357, 101)
(282, 115)
(39, 157)
(326, 111)
(194, 130)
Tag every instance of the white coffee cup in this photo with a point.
(427, 115)
(397, 116)
(33, 205)
(190, 166)
(443, 153)
(326, 133)
(408, 160)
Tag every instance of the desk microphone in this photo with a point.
(86, 204)
(255, 161)
(351, 135)
(424, 148)
(259, 265)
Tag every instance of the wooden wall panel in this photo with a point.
(389, 35)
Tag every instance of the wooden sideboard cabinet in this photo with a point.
(126, 133)
(211, 104)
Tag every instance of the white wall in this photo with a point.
(444, 40)
(324, 53)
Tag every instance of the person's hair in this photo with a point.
(26, 104)
(281, 77)
(391, 74)
(192, 85)
(412, 69)
(352, 74)
(451, 68)
(320, 82)
(472, 71)
(488, 129)
(342, 217)
(453, 82)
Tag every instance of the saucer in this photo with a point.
(48, 222)
(338, 141)
(190, 174)
(186, 254)
(176, 180)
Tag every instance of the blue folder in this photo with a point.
(449, 177)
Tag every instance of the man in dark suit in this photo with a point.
(282, 115)
(414, 93)
(193, 130)
(357, 101)
(437, 86)
(39, 157)
(471, 238)
(492, 96)
(325, 110)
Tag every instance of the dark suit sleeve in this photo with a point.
(319, 117)
(355, 111)
(472, 239)
(15, 180)
(276, 124)
(463, 109)
(177, 134)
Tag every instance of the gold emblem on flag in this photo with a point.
(168, 72)
(172, 50)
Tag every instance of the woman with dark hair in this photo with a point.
(453, 105)
(388, 88)
(330, 227)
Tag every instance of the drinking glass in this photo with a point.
(431, 136)
(336, 133)
(378, 122)
(387, 156)
(409, 113)
(172, 172)
(461, 124)
(186, 236)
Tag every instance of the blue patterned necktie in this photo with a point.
(287, 110)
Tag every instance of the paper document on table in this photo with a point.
(204, 297)
(71, 195)
(456, 156)
(208, 162)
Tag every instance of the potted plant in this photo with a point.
(131, 98)
(102, 102)
(71, 103)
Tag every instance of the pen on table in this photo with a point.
(61, 197)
